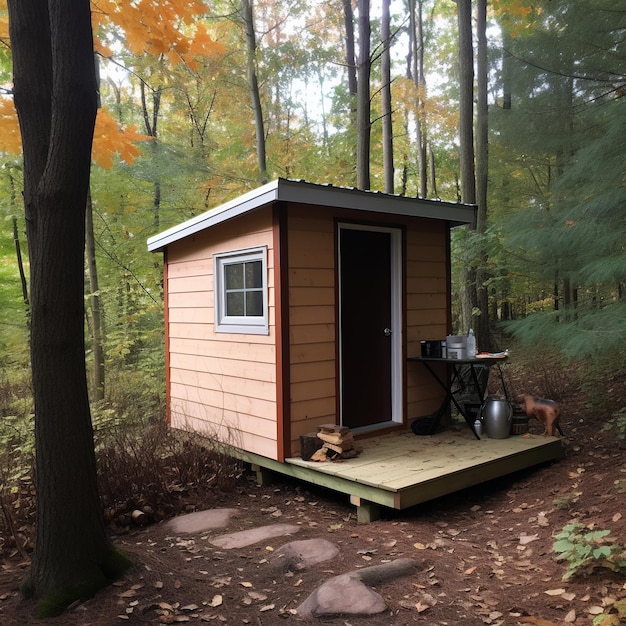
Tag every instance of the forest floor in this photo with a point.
(485, 554)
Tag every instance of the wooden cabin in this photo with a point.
(297, 305)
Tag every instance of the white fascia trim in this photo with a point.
(248, 202)
(304, 192)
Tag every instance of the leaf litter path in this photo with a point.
(484, 554)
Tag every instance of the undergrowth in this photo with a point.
(143, 466)
(585, 550)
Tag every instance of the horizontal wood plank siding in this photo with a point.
(222, 385)
(426, 308)
(312, 331)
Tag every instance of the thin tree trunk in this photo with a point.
(420, 83)
(95, 304)
(363, 121)
(20, 262)
(55, 96)
(483, 330)
(253, 86)
(348, 20)
(466, 147)
(18, 247)
(433, 173)
(466, 102)
(387, 120)
(151, 123)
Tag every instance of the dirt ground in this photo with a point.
(485, 553)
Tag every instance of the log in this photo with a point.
(333, 428)
(309, 444)
(336, 438)
(319, 455)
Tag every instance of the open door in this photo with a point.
(370, 326)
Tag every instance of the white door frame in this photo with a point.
(397, 413)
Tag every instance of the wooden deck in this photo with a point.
(400, 470)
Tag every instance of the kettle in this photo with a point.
(497, 417)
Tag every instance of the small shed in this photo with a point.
(298, 304)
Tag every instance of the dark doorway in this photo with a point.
(365, 326)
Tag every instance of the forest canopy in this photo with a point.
(179, 132)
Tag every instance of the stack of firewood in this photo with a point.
(337, 443)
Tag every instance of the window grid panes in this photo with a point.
(241, 291)
(244, 289)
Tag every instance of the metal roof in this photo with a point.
(304, 192)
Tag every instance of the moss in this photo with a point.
(53, 603)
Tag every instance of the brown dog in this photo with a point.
(546, 411)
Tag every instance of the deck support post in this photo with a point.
(366, 511)
(263, 476)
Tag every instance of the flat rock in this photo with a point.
(299, 555)
(342, 595)
(348, 594)
(201, 520)
(254, 535)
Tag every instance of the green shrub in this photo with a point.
(586, 550)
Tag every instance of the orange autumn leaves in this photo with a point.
(110, 138)
(168, 28)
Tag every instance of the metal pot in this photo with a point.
(497, 417)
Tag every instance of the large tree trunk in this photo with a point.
(363, 104)
(385, 36)
(253, 86)
(55, 97)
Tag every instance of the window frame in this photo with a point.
(242, 324)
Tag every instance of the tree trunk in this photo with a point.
(20, 263)
(363, 121)
(18, 247)
(95, 304)
(466, 147)
(483, 330)
(433, 173)
(151, 123)
(466, 102)
(55, 97)
(348, 20)
(387, 121)
(253, 86)
(420, 83)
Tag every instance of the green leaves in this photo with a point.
(585, 550)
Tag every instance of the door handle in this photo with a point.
(387, 332)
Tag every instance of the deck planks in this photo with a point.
(400, 469)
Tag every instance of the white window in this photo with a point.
(241, 291)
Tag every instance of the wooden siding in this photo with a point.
(426, 312)
(312, 331)
(225, 385)
(222, 385)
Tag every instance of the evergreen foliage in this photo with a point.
(566, 178)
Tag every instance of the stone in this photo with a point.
(254, 535)
(201, 521)
(299, 555)
(342, 595)
(348, 594)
